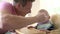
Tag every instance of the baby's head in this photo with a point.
(45, 12)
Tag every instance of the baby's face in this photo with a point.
(45, 13)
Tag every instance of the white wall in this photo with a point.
(35, 7)
(8, 1)
(53, 6)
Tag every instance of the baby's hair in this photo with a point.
(43, 10)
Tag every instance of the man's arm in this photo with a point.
(14, 21)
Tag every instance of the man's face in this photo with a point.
(26, 9)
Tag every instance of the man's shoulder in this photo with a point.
(5, 4)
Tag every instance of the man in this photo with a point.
(13, 15)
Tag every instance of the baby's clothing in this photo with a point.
(46, 26)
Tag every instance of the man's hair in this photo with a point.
(23, 2)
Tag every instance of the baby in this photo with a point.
(45, 25)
